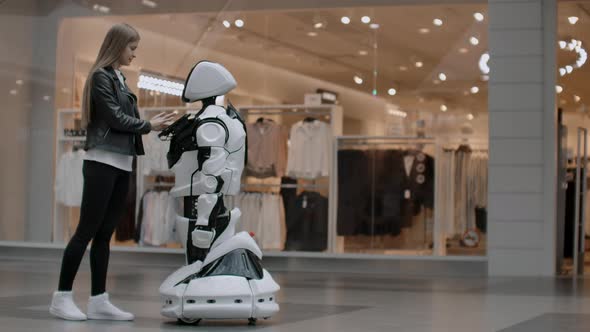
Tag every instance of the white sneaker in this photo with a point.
(99, 307)
(63, 306)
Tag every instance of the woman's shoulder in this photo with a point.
(101, 73)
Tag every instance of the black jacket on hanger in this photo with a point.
(354, 191)
(308, 230)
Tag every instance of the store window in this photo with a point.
(368, 124)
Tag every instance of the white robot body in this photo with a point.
(223, 278)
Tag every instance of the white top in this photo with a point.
(117, 160)
(309, 150)
(69, 179)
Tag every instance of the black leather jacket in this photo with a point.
(114, 120)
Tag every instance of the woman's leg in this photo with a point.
(99, 181)
(99, 252)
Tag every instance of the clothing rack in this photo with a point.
(288, 185)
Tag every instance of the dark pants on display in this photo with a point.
(103, 201)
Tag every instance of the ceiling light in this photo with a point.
(226, 24)
(13, 92)
(569, 69)
(149, 3)
(46, 98)
(19, 82)
(159, 85)
(474, 89)
(363, 52)
(345, 20)
(443, 108)
(358, 79)
(239, 23)
(442, 77)
(374, 26)
(558, 89)
(573, 19)
(463, 50)
(101, 9)
(392, 92)
(438, 22)
(419, 64)
(470, 117)
(312, 34)
(478, 17)
(366, 19)
(577, 98)
(483, 63)
(403, 68)
(562, 44)
(424, 31)
(562, 71)
(318, 25)
(399, 113)
(474, 41)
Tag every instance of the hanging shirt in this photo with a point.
(69, 181)
(309, 150)
(155, 154)
(267, 149)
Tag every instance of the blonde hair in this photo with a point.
(113, 45)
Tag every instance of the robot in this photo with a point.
(223, 277)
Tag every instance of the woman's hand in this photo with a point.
(161, 121)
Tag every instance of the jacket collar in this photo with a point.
(111, 71)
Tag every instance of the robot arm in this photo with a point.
(211, 137)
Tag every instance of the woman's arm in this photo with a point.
(107, 104)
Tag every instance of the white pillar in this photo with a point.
(522, 180)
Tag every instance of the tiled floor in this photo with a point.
(316, 302)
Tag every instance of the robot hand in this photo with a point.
(203, 237)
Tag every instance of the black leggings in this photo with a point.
(103, 201)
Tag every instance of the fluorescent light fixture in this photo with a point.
(159, 85)
(149, 3)
(483, 63)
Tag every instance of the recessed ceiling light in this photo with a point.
(569, 69)
(558, 89)
(562, 71)
(366, 19)
(345, 20)
(442, 77)
(443, 108)
(392, 92)
(19, 82)
(312, 34)
(463, 50)
(470, 117)
(403, 68)
(419, 64)
(474, 89)
(226, 24)
(358, 79)
(562, 44)
(438, 22)
(573, 19)
(13, 92)
(149, 3)
(577, 98)
(424, 31)
(46, 98)
(474, 41)
(374, 26)
(318, 25)
(239, 23)
(478, 17)
(363, 52)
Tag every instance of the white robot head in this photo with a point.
(207, 79)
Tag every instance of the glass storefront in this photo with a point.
(397, 97)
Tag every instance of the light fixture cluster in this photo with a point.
(347, 20)
(399, 113)
(573, 46)
(160, 85)
(239, 23)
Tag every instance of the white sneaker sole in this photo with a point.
(107, 317)
(59, 314)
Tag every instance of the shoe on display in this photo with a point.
(99, 307)
(63, 306)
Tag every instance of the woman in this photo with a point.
(114, 129)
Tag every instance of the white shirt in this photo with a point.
(117, 160)
(309, 150)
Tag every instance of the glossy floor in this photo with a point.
(315, 302)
